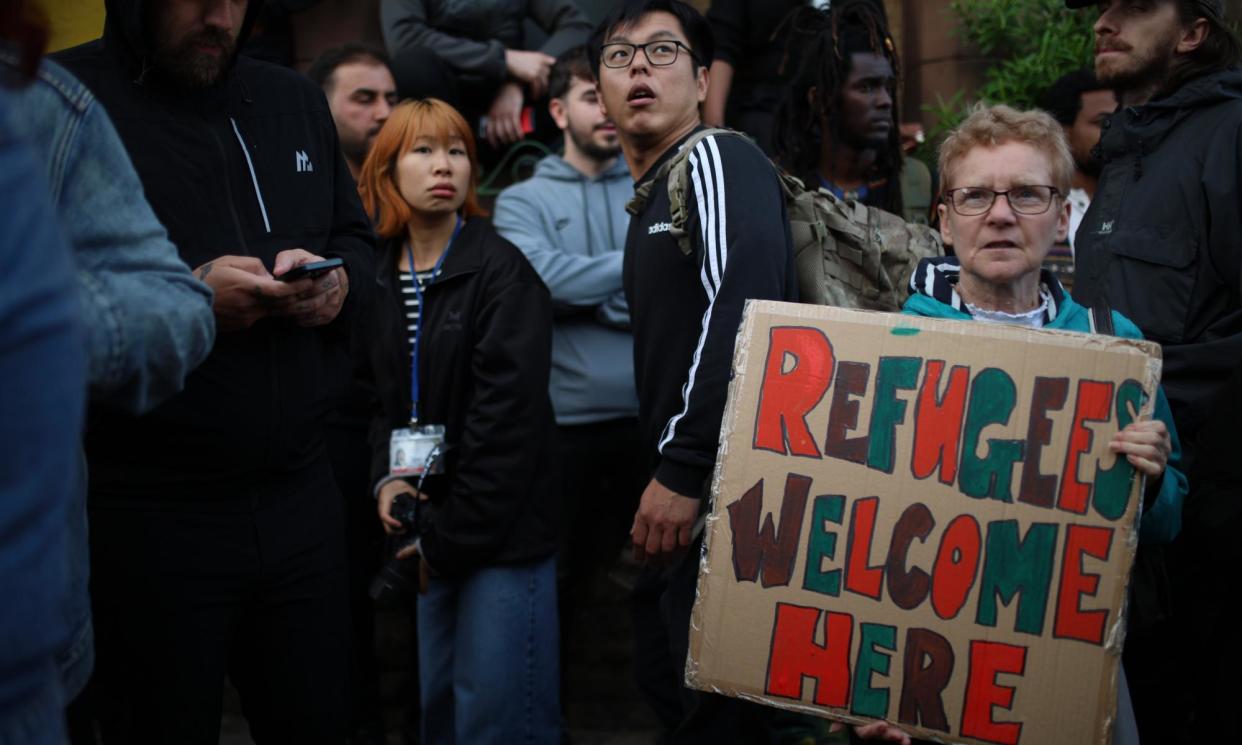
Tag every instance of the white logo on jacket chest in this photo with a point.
(302, 162)
(659, 227)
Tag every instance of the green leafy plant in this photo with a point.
(1034, 42)
(1031, 43)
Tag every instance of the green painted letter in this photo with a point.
(1017, 567)
(992, 398)
(822, 544)
(870, 701)
(888, 410)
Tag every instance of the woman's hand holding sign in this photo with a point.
(1146, 445)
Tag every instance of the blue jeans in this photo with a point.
(487, 647)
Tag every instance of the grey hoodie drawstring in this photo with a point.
(586, 221)
(612, 235)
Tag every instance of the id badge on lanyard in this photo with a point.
(415, 450)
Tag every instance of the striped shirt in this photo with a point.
(410, 298)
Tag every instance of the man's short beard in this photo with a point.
(186, 67)
(591, 149)
(1153, 75)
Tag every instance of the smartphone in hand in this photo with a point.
(311, 270)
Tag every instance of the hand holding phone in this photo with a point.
(319, 299)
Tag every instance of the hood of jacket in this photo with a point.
(554, 167)
(933, 294)
(126, 34)
(1143, 128)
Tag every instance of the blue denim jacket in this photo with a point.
(43, 366)
(148, 320)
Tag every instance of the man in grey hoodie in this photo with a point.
(569, 220)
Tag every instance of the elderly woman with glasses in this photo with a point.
(1006, 174)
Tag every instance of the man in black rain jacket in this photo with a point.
(216, 534)
(1162, 244)
(1162, 241)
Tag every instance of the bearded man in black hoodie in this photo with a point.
(1162, 244)
(216, 538)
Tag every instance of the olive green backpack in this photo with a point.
(849, 255)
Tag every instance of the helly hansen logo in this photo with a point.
(659, 227)
(303, 162)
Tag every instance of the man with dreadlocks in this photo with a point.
(837, 123)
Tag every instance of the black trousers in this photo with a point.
(251, 586)
(662, 636)
(364, 540)
(600, 486)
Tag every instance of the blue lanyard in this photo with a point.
(422, 313)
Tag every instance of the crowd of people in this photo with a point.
(252, 320)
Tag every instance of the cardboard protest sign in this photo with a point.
(920, 521)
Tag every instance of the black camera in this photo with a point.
(399, 577)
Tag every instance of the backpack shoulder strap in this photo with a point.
(643, 192)
(676, 170)
(1101, 317)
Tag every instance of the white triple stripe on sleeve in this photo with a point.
(709, 194)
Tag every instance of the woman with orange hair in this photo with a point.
(462, 445)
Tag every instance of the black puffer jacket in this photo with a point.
(472, 35)
(1162, 240)
(484, 363)
(250, 166)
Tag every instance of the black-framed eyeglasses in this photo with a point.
(972, 201)
(660, 53)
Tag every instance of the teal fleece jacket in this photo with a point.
(934, 277)
(572, 230)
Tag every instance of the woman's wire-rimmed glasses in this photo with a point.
(972, 201)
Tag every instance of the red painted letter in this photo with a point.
(987, 660)
(1072, 622)
(859, 577)
(788, 396)
(938, 422)
(1094, 401)
(795, 655)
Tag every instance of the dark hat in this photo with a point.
(1214, 8)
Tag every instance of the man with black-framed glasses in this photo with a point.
(686, 299)
(685, 311)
